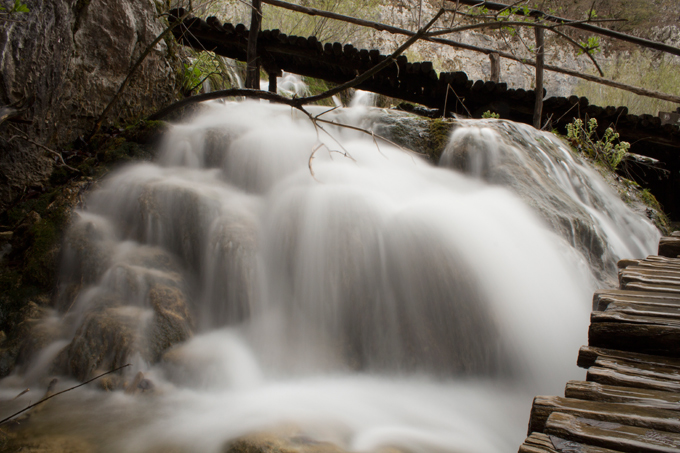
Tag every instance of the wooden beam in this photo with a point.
(594, 391)
(587, 356)
(621, 438)
(618, 378)
(643, 417)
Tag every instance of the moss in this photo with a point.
(656, 215)
(29, 271)
(439, 131)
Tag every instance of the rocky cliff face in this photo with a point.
(71, 56)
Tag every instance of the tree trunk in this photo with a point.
(495, 67)
(253, 67)
(540, 54)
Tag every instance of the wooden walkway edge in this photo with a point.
(630, 400)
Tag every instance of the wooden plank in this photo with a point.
(618, 378)
(645, 310)
(660, 271)
(540, 441)
(662, 288)
(627, 439)
(602, 298)
(640, 369)
(669, 246)
(651, 264)
(594, 391)
(662, 340)
(628, 277)
(588, 355)
(543, 443)
(569, 446)
(524, 448)
(643, 417)
(613, 316)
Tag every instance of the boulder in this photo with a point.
(71, 57)
(171, 322)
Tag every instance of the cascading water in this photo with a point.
(266, 275)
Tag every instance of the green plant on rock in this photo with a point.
(18, 7)
(490, 114)
(607, 150)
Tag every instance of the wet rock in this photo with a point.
(280, 442)
(139, 384)
(71, 56)
(171, 323)
(105, 340)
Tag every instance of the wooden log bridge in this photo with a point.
(630, 400)
(452, 92)
(414, 82)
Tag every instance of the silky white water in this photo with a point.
(270, 276)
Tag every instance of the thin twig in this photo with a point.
(6, 419)
(24, 137)
(449, 87)
(583, 49)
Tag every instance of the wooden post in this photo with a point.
(540, 61)
(495, 67)
(253, 66)
(272, 80)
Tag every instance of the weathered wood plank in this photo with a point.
(652, 277)
(588, 354)
(662, 288)
(543, 443)
(645, 310)
(662, 340)
(662, 258)
(652, 264)
(651, 270)
(628, 439)
(569, 446)
(618, 378)
(639, 369)
(602, 298)
(540, 440)
(594, 391)
(613, 316)
(524, 448)
(643, 417)
(669, 246)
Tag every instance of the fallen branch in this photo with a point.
(6, 419)
(24, 137)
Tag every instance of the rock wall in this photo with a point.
(72, 55)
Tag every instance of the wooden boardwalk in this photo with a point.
(630, 400)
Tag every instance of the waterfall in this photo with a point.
(270, 276)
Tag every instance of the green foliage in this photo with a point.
(199, 69)
(592, 46)
(18, 7)
(490, 114)
(608, 150)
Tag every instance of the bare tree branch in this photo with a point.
(6, 419)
